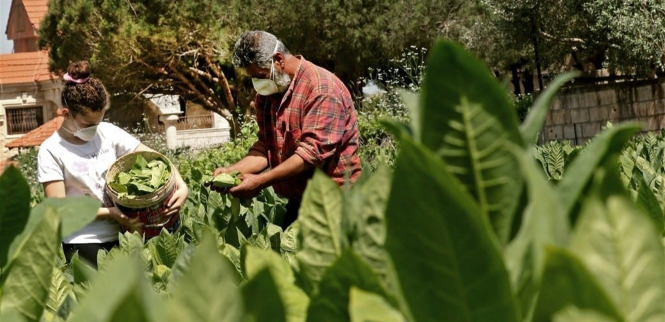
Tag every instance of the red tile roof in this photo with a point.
(28, 67)
(38, 135)
(36, 10)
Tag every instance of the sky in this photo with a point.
(6, 46)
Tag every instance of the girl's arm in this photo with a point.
(56, 189)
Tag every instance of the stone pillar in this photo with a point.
(220, 122)
(170, 120)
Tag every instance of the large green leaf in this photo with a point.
(544, 223)
(331, 303)
(366, 203)
(365, 306)
(566, 282)
(320, 218)
(181, 265)
(59, 294)
(620, 246)
(289, 244)
(121, 293)
(262, 300)
(14, 209)
(27, 285)
(295, 301)
(11, 316)
(578, 176)
(75, 212)
(573, 314)
(165, 248)
(467, 120)
(534, 121)
(436, 231)
(411, 100)
(207, 291)
(649, 203)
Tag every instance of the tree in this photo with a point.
(626, 36)
(349, 36)
(184, 47)
(149, 46)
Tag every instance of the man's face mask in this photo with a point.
(268, 86)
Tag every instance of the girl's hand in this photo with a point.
(177, 199)
(131, 224)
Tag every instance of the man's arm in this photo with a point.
(251, 184)
(254, 162)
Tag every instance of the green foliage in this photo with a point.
(320, 218)
(391, 245)
(405, 73)
(437, 240)
(468, 123)
(625, 36)
(269, 308)
(14, 205)
(226, 180)
(207, 291)
(142, 178)
(331, 302)
(293, 300)
(554, 156)
(522, 105)
(27, 163)
(161, 47)
(350, 36)
(26, 284)
(567, 282)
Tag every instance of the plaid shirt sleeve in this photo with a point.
(324, 119)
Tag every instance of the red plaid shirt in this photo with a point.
(314, 119)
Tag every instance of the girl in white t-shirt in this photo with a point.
(74, 161)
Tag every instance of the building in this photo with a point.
(29, 93)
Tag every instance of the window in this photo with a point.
(24, 119)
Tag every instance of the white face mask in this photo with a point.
(265, 86)
(85, 134)
(268, 86)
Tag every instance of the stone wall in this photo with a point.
(202, 138)
(579, 112)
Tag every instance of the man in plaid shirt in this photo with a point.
(306, 120)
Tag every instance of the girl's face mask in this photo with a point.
(85, 134)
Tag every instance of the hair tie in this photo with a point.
(68, 78)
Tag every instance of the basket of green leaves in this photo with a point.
(140, 184)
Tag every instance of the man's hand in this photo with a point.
(220, 170)
(250, 186)
(214, 174)
(131, 224)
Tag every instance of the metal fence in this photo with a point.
(24, 119)
(195, 122)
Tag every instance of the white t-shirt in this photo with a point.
(83, 168)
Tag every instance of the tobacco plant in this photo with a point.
(465, 228)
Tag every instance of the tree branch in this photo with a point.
(223, 82)
(211, 105)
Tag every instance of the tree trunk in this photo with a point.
(515, 80)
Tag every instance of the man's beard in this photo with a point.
(283, 80)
